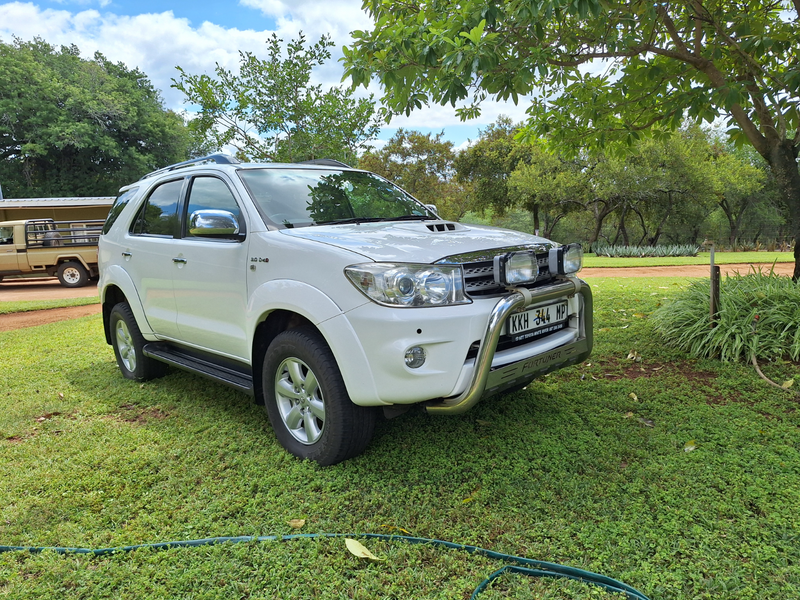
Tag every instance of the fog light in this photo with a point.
(415, 357)
(515, 268)
(566, 260)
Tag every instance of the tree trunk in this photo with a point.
(599, 216)
(783, 161)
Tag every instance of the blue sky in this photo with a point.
(157, 36)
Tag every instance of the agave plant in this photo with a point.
(643, 251)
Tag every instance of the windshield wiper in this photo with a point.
(409, 218)
(350, 220)
(375, 219)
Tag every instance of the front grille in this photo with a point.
(479, 268)
(479, 277)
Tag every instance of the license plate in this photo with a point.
(537, 321)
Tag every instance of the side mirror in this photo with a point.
(214, 224)
(432, 208)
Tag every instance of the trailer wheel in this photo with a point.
(72, 274)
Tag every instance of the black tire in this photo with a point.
(307, 402)
(72, 274)
(128, 346)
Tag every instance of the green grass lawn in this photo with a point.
(720, 258)
(30, 305)
(587, 467)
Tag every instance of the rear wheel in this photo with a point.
(73, 274)
(307, 402)
(128, 346)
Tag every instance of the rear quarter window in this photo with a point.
(159, 213)
(116, 209)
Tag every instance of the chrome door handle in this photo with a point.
(126, 254)
(181, 261)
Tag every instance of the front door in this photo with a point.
(8, 251)
(210, 276)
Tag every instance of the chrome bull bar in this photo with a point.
(486, 382)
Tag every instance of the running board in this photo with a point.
(234, 378)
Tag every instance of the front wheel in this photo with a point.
(128, 346)
(307, 402)
(73, 274)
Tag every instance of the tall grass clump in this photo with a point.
(759, 316)
(645, 251)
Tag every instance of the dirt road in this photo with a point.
(42, 288)
(684, 270)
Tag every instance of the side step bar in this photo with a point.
(240, 380)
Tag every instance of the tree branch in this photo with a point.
(753, 63)
(673, 32)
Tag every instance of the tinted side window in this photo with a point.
(159, 213)
(210, 193)
(116, 209)
(7, 235)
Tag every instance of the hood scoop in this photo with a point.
(433, 227)
(441, 226)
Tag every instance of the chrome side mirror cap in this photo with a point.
(214, 224)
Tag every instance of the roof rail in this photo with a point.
(326, 162)
(220, 159)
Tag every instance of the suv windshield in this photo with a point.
(302, 197)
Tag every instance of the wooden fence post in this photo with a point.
(714, 300)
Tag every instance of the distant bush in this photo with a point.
(643, 251)
(759, 315)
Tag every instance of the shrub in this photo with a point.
(759, 314)
(642, 251)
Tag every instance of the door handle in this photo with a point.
(126, 254)
(181, 261)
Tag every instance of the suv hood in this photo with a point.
(413, 242)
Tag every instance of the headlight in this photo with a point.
(394, 284)
(566, 260)
(515, 268)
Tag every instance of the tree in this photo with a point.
(270, 110)
(664, 62)
(666, 185)
(739, 184)
(422, 164)
(549, 187)
(76, 127)
(488, 164)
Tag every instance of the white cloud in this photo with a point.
(439, 117)
(157, 42)
(334, 17)
(154, 42)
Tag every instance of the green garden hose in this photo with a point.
(524, 566)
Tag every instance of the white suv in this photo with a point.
(327, 293)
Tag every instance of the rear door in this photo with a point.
(148, 256)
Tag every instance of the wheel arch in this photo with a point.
(348, 352)
(273, 323)
(112, 295)
(116, 286)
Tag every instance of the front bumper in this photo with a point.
(486, 381)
